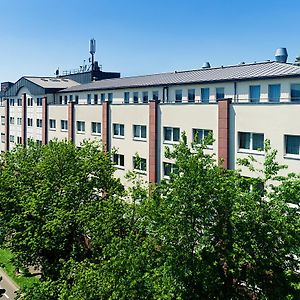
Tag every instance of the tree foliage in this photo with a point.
(203, 233)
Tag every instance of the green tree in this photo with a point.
(45, 192)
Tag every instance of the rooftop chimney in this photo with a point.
(206, 65)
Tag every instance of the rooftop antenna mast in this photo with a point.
(93, 51)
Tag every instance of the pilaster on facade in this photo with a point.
(106, 125)
(71, 121)
(24, 120)
(153, 140)
(223, 132)
(6, 137)
(44, 121)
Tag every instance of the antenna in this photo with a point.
(93, 50)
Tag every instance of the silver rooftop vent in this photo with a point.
(281, 55)
(206, 65)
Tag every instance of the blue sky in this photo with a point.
(142, 37)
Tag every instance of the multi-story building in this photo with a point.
(241, 105)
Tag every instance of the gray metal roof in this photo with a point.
(40, 85)
(52, 82)
(270, 69)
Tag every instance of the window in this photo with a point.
(96, 128)
(89, 99)
(178, 96)
(30, 102)
(118, 130)
(39, 142)
(292, 144)
(220, 93)
(126, 97)
(2, 138)
(169, 168)
(71, 98)
(80, 126)
(63, 125)
(19, 121)
(295, 92)
(29, 122)
(52, 124)
(200, 134)
(39, 123)
(110, 97)
(191, 95)
(251, 141)
(60, 99)
(204, 94)
(11, 120)
(39, 101)
(119, 160)
(19, 140)
(2, 120)
(171, 134)
(11, 102)
(139, 164)
(95, 98)
(102, 97)
(145, 97)
(76, 99)
(274, 92)
(254, 93)
(139, 132)
(19, 101)
(66, 100)
(12, 138)
(155, 95)
(136, 97)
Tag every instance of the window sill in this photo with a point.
(140, 172)
(64, 130)
(120, 137)
(80, 132)
(119, 167)
(249, 151)
(139, 139)
(170, 143)
(292, 156)
(96, 134)
(52, 129)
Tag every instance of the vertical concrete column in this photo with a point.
(6, 124)
(223, 131)
(44, 121)
(71, 121)
(105, 125)
(24, 120)
(153, 107)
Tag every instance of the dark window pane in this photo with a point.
(257, 141)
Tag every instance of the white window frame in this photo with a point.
(290, 155)
(62, 125)
(203, 133)
(52, 124)
(39, 123)
(142, 162)
(19, 121)
(172, 166)
(80, 126)
(118, 127)
(250, 150)
(171, 141)
(2, 120)
(29, 122)
(139, 129)
(97, 127)
(11, 138)
(117, 161)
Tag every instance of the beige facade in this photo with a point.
(181, 107)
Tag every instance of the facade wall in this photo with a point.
(274, 121)
(57, 113)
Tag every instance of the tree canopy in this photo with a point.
(203, 233)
